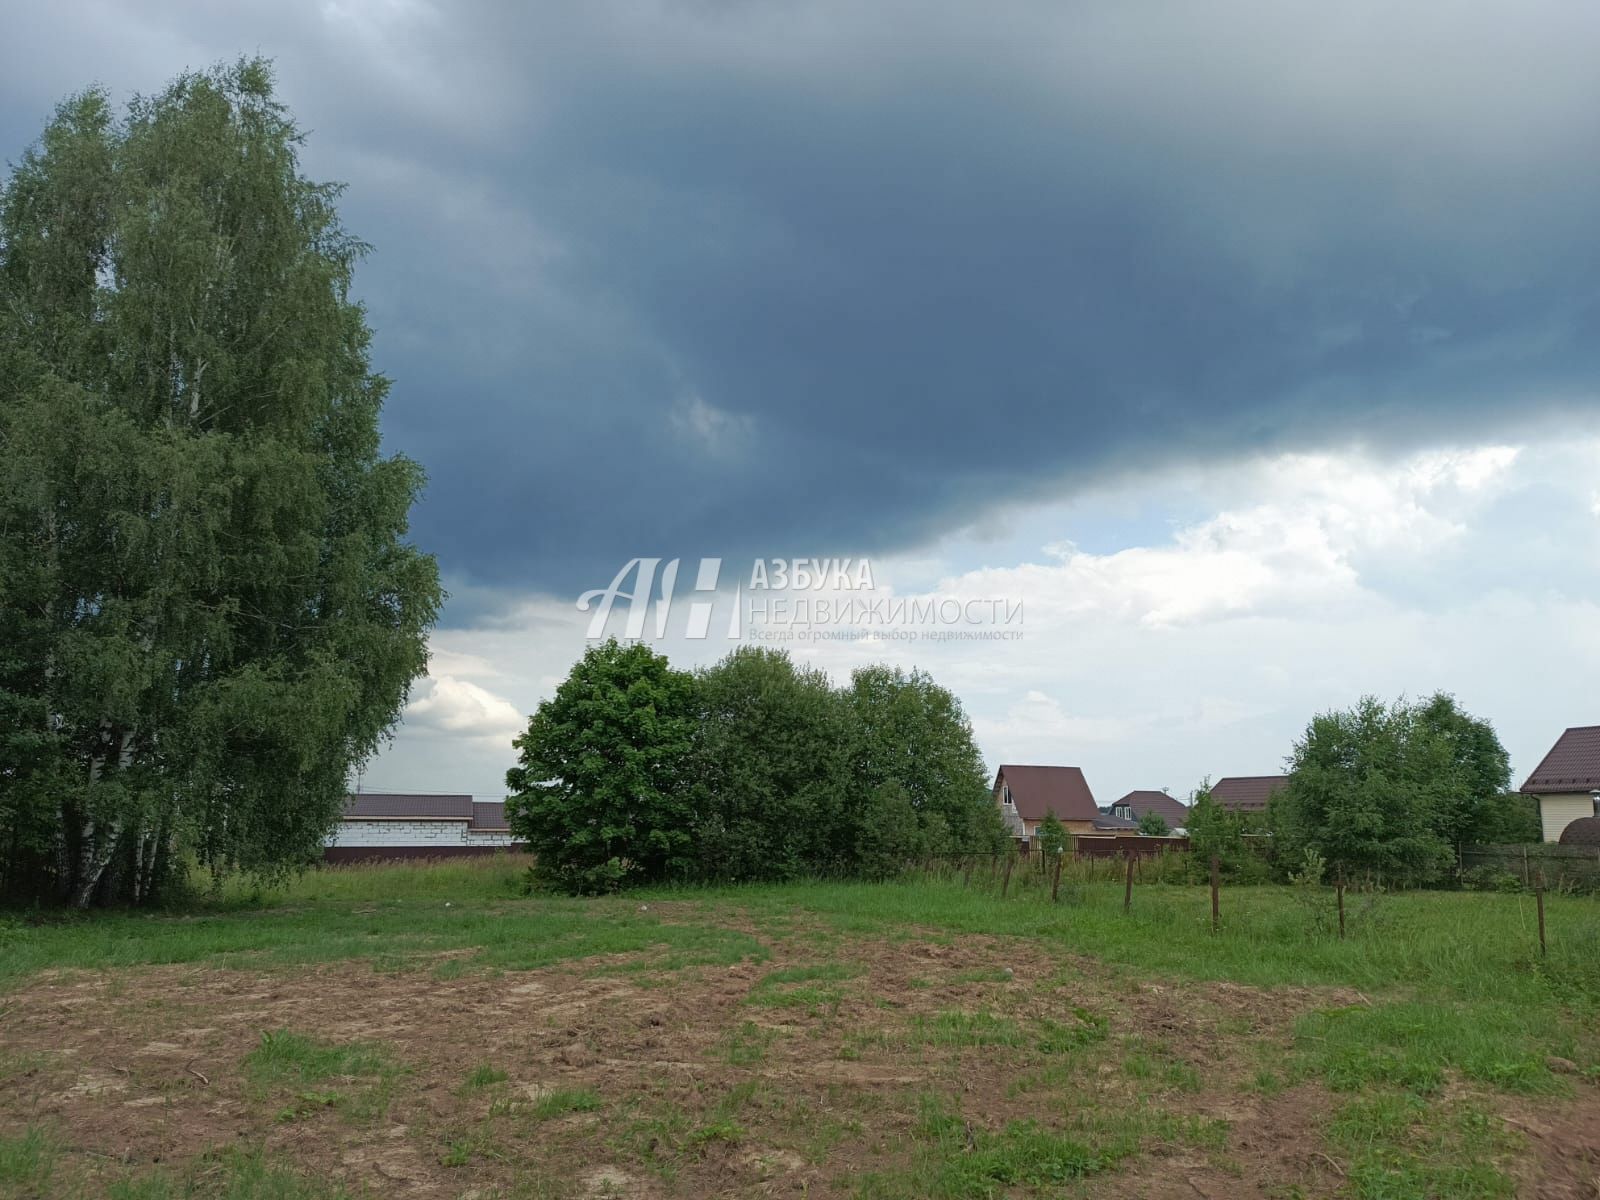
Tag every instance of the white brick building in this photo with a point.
(379, 825)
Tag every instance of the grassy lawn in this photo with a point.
(430, 1031)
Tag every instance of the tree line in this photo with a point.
(754, 768)
(1391, 790)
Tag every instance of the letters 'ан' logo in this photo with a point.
(643, 597)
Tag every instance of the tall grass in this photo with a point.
(1462, 946)
(392, 915)
(1476, 945)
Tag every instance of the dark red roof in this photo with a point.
(1039, 790)
(1573, 764)
(489, 816)
(1174, 812)
(1246, 793)
(392, 806)
(1585, 831)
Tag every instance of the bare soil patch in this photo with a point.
(792, 1077)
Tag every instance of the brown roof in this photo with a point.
(489, 816)
(1585, 831)
(1039, 790)
(1573, 764)
(393, 806)
(1246, 793)
(1174, 812)
(1110, 822)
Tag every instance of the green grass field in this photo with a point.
(431, 1031)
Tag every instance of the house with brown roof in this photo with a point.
(1136, 804)
(1026, 793)
(1108, 822)
(1247, 793)
(386, 825)
(1567, 781)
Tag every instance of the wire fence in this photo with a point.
(1504, 868)
(1036, 871)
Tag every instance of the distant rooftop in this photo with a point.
(1174, 812)
(1040, 790)
(407, 806)
(489, 816)
(1247, 793)
(1573, 764)
(481, 816)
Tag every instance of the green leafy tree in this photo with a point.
(1153, 824)
(1511, 819)
(1467, 751)
(888, 833)
(211, 613)
(907, 730)
(1214, 832)
(1391, 788)
(769, 768)
(1051, 835)
(601, 791)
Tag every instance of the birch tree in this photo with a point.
(209, 611)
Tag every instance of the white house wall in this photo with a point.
(1557, 812)
(480, 838)
(359, 833)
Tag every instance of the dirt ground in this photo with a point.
(703, 1089)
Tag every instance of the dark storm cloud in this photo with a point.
(775, 279)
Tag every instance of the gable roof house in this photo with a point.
(1565, 781)
(387, 825)
(1136, 804)
(1110, 822)
(1247, 793)
(1026, 793)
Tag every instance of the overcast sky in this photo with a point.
(1253, 347)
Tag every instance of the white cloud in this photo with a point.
(1037, 726)
(458, 708)
(1299, 546)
